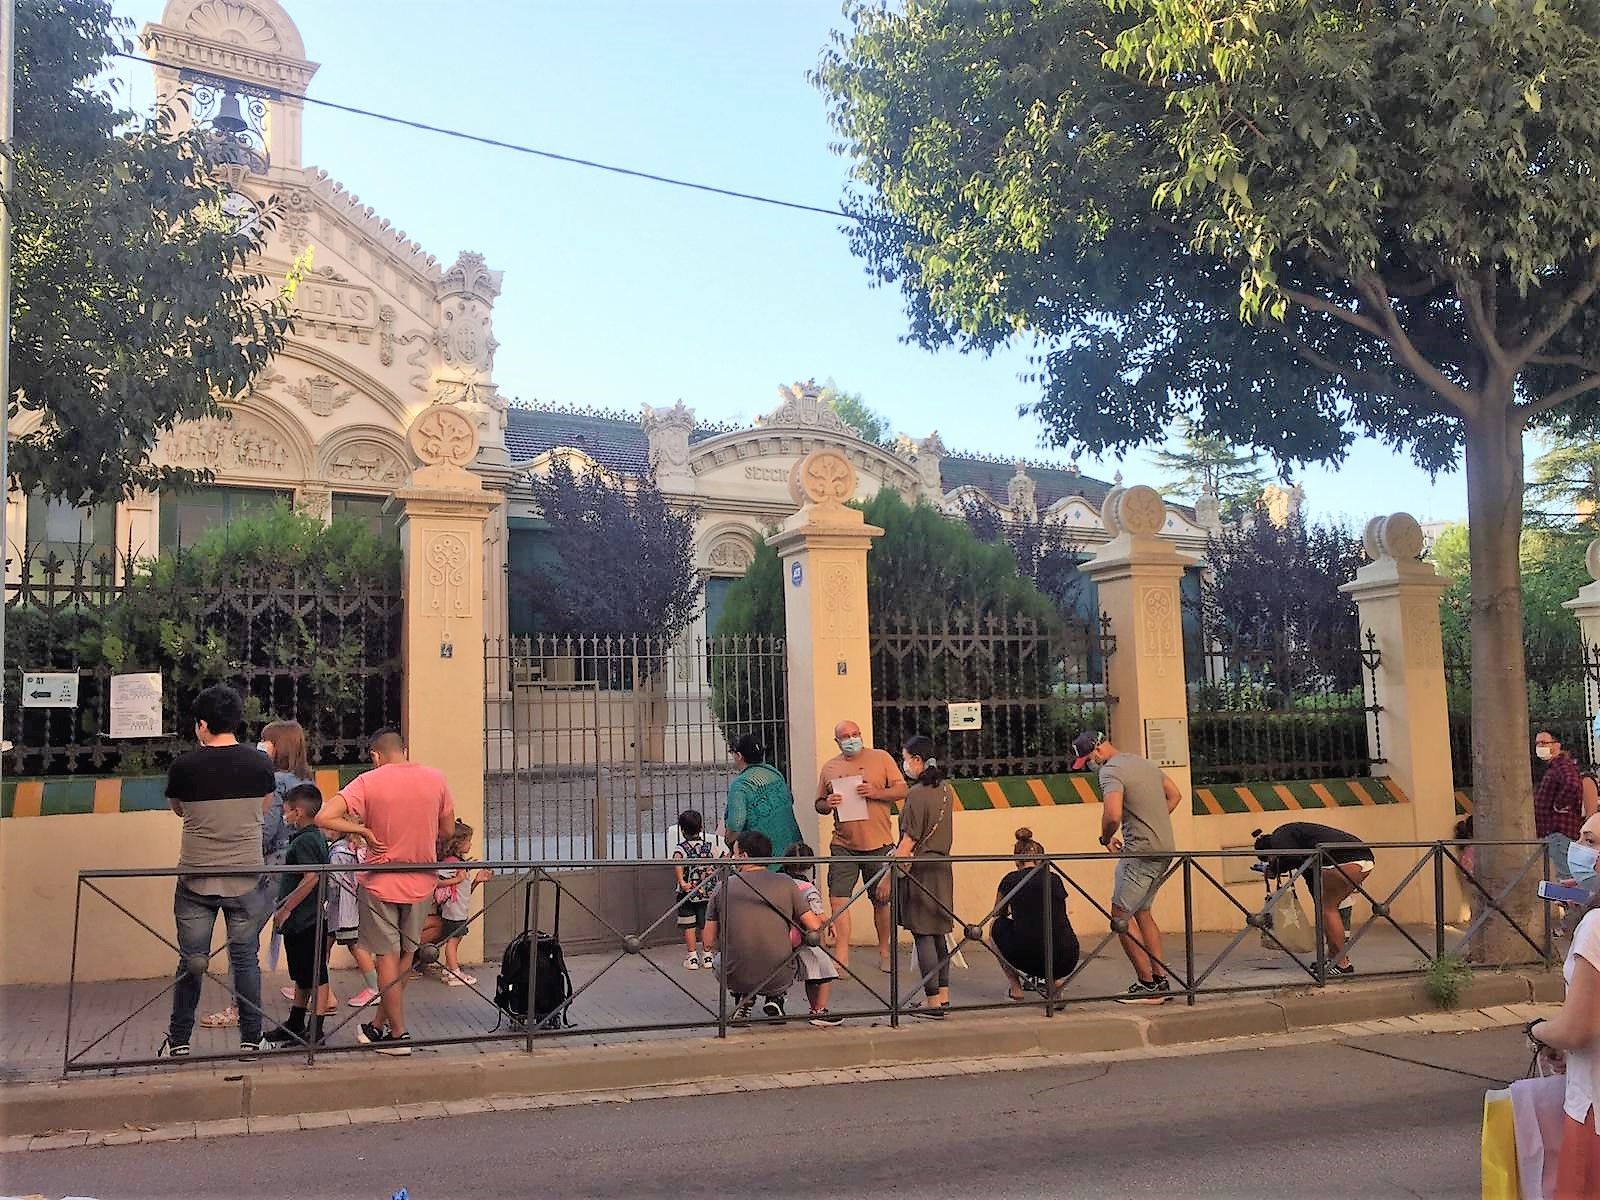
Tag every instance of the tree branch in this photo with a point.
(1473, 303)
(1371, 381)
(1560, 396)
(1348, 315)
(1372, 290)
(1565, 360)
(1565, 311)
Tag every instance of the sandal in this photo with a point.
(225, 1019)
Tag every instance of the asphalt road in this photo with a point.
(1305, 1122)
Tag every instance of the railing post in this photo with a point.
(1438, 900)
(531, 928)
(1316, 921)
(72, 974)
(722, 951)
(1047, 873)
(1188, 927)
(894, 955)
(319, 959)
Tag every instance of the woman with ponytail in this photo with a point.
(927, 892)
(1026, 897)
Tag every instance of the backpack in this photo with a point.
(698, 882)
(552, 983)
(442, 894)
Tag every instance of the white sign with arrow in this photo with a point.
(49, 689)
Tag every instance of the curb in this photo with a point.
(118, 1104)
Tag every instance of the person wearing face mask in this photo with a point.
(856, 844)
(927, 888)
(1558, 800)
(1574, 1033)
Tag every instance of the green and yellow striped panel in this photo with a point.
(1215, 799)
(57, 797)
(1042, 791)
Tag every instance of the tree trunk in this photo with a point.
(1502, 797)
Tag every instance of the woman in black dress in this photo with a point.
(1018, 930)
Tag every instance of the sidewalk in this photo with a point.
(615, 992)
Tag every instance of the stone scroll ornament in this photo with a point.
(443, 437)
(823, 477)
(1138, 510)
(1397, 536)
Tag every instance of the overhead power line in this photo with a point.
(500, 144)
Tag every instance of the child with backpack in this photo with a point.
(697, 879)
(817, 967)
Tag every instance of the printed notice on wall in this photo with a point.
(135, 706)
(1166, 741)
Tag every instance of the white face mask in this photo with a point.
(1545, 752)
(265, 748)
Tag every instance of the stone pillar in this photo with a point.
(443, 510)
(1138, 572)
(1398, 597)
(1585, 606)
(824, 550)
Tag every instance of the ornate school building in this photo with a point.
(384, 330)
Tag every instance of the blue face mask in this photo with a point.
(851, 745)
(1581, 862)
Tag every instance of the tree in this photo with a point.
(1204, 460)
(134, 306)
(614, 559)
(1047, 553)
(871, 424)
(1565, 489)
(1294, 223)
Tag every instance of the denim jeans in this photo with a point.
(196, 918)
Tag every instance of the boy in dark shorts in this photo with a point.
(296, 917)
(697, 879)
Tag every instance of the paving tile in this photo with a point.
(123, 1137)
(16, 1144)
(324, 1120)
(232, 1127)
(467, 1108)
(60, 1141)
(180, 1132)
(427, 1110)
(381, 1115)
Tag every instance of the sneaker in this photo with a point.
(363, 998)
(469, 980)
(282, 1036)
(172, 1049)
(931, 1012)
(398, 1045)
(772, 1007)
(823, 1019)
(691, 962)
(1335, 971)
(1140, 992)
(707, 961)
(741, 1014)
(250, 1049)
(1163, 985)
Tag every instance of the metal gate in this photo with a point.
(595, 744)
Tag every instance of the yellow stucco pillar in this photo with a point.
(824, 550)
(443, 510)
(1138, 573)
(1398, 597)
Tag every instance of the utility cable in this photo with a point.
(500, 144)
(1417, 1062)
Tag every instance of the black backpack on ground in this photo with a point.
(552, 983)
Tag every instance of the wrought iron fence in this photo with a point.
(595, 744)
(1274, 705)
(1563, 691)
(1037, 686)
(1414, 918)
(296, 648)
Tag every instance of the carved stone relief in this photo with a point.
(233, 23)
(368, 463)
(667, 431)
(841, 589)
(386, 335)
(315, 502)
(1158, 627)
(447, 560)
(803, 408)
(443, 436)
(238, 445)
(731, 555)
(823, 477)
(322, 394)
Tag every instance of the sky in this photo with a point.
(620, 292)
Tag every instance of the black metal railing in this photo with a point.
(1037, 685)
(1277, 710)
(1193, 960)
(295, 647)
(1563, 691)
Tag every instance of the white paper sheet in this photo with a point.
(852, 804)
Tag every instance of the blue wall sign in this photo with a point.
(796, 574)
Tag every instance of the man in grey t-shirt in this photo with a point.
(1136, 819)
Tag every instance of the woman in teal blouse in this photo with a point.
(759, 798)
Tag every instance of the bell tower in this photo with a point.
(229, 68)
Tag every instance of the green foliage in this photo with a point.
(619, 558)
(1248, 746)
(1565, 489)
(852, 408)
(1047, 553)
(1446, 980)
(302, 618)
(1204, 460)
(134, 304)
(1552, 570)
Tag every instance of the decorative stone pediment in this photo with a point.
(241, 444)
(804, 408)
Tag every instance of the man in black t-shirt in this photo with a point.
(220, 790)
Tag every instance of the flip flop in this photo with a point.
(225, 1019)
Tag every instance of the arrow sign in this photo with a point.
(50, 689)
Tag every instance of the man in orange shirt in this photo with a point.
(882, 786)
(402, 810)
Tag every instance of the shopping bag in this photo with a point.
(1499, 1147)
(1291, 930)
(1538, 1117)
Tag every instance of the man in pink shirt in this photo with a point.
(402, 810)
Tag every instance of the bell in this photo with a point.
(229, 119)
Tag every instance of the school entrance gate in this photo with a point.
(593, 747)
